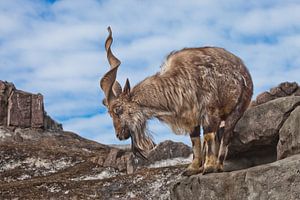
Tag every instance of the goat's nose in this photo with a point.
(119, 136)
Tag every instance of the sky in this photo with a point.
(57, 48)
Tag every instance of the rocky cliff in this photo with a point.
(41, 163)
(23, 109)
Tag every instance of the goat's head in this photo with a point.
(127, 116)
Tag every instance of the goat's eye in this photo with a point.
(118, 111)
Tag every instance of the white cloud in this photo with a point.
(57, 49)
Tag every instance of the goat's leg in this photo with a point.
(219, 143)
(230, 123)
(210, 164)
(211, 146)
(195, 166)
(227, 135)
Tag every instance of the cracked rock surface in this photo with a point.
(277, 181)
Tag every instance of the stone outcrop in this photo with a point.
(5, 92)
(125, 161)
(289, 135)
(166, 150)
(282, 90)
(257, 133)
(279, 180)
(23, 109)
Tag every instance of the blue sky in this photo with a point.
(57, 48)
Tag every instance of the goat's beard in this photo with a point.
(141, 143)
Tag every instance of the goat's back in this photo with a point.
(215, 76)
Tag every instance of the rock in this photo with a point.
(23, 109)
(288, 87)
(65, 166)
(125, 161)
(166, 150)
(37, 111)
(259, 127)
(263, 98)
(5, 91)
(282, 90)
(289, 136)
(130, 165)
(297, 92)
(256, 135)
(278, 180)
(19, 109)
(50, 124)
(277, 92)
(117, 159)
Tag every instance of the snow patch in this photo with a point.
(36, 163)
(107, 173)
(24, 177)
(172, 162)
(86, 150)
(53, 188)
(4, 134)
(131, 195)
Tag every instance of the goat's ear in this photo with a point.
(126, 89)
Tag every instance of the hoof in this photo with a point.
(209, 169)
(220, 168)
(190, 172)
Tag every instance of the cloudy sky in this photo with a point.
(57, 48)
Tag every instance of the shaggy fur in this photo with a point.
(195, 87)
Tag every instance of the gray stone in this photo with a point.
(277, 92)
(279, 180)
(289, 135)
(5, 91)
(263, 98)
(117, 159)
(50, 124)
(288, 87)
(167, 150)
(259, 127)
(19, 109)
(37, 111)
(297, 92)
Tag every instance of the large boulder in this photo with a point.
(279, 180)
(125, 161)
(166, 150)
(256, 135)
(258, 129)
(23, 109)
(282, 90)
(289, 135)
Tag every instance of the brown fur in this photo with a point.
(195, 87)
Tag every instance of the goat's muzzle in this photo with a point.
(124, 134)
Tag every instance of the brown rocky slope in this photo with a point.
(40, 162)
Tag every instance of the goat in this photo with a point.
(196, 87)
